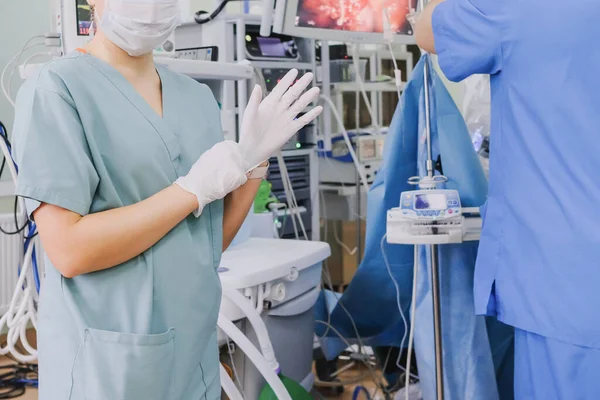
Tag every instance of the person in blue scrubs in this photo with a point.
(136, 195)
(536, 267)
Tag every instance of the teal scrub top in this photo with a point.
(86, 141)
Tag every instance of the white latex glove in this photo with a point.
(271, 123)
(218, 172)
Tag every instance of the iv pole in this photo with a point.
(433, 249)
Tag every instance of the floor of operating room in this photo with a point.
(31, 394)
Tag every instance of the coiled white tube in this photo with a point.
(257, 323)
(254, 355)
(21, 311)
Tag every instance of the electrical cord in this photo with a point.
(7, 156)
(389, 269)
(377, 382)
(14, 379)
(327, 275)
(336, 236)
(238, 381)
(344, 185)
(363, 90)
(213, 15)
(291, 198)
(16, 66)
(22, 309)
(5, 148)
(16, 221)
(15, 59)
(337, 116)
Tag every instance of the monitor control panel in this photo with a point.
(430, 204)
(273, 48)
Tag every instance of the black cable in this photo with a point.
(16, 378)
(212, 16)
(15, 215)
(2, 166)
(4, 136)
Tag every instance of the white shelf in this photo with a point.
(207, 70)
(283, 65)
(369, 87)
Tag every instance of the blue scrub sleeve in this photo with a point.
(51, 150)
(468, 37)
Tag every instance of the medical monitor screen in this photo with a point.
(84, 18)
(271, 47)
(355, 15)
(430, 202)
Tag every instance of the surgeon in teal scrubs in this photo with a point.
(537, 266)
(136, 195)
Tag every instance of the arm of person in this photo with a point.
(58, 179)
(424, 28)
(236, 208)
(78, 245)
(467, 35)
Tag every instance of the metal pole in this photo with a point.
(435, 282)
(437, 323)
(358, 221)
(428, 121)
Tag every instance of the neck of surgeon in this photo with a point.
(101, 47)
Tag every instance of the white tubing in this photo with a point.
(340, 121)
(228, 386)
(13, 171)
(21, 310)
(257, 323)
(254, 355)
(361, 85)
(413, 310)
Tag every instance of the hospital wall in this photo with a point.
(19, 20)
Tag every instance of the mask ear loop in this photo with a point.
(92, 31)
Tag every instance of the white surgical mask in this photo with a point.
(139, 26)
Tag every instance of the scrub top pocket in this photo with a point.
(123, 366)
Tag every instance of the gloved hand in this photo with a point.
(218, 172)
(270, 123)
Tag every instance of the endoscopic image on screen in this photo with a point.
(84, 18)
(354, 15)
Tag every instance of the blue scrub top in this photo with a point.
(536, 266)
(86, 141)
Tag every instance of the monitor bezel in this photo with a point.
(289, 27)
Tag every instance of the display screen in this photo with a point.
(355, 15)
(271, 47)
(84, 18)
(430, 202)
